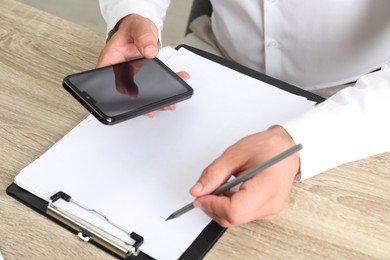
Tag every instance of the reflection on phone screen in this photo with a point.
(127, 86)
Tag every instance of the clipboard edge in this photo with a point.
(255, 74)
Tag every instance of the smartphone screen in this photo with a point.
(127, 90)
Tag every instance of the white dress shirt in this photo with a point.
(312, 44)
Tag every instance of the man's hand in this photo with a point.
(259, 198)
(135, 37)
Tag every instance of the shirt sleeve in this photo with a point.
(113, 11)
(351, 125)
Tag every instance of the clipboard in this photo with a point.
(202, 244)
(255, 74)
(207, 238)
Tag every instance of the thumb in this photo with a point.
(144, 34)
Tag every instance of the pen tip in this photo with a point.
(170, 217)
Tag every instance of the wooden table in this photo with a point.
(344, 213)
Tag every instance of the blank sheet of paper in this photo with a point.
(138, 172)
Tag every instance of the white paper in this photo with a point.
(138, 172)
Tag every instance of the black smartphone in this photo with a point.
(126, 90)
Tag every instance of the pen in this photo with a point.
(240, 179)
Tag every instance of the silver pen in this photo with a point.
(240, 179)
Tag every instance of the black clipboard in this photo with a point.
(255, 74)
(212, 232)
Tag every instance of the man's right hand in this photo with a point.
(135, 37)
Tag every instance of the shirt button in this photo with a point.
(272, 43)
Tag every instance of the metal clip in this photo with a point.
(88, 231)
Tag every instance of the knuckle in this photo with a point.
(233, 218)
(224, 223)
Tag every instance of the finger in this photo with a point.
(183, 75)
(169, 108)
(224, 210)
(118, 49)
(206, 205)
(151, 114)
(243, 206)
(145, 36)
(264, 195)
(216, 174)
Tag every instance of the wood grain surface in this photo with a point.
(341, 214)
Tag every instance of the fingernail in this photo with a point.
(149, 51)
(151, 114)
(197, 188)
(197, 204)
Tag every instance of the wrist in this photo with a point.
(283, 139)
(282, 135)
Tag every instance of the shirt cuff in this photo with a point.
(114, 11)
(350, 125)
